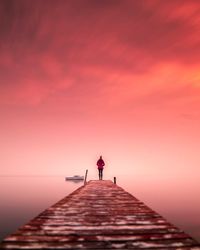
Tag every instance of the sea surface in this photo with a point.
(24, 197)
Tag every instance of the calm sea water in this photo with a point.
(22, 198)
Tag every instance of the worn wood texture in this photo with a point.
(99, 215)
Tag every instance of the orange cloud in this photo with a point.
(123, 50)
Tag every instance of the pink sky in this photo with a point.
(113, 77)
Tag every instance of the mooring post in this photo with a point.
(114, 180)
(86, 172)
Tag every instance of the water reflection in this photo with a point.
(75, 181)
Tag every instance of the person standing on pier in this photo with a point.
(100, 164)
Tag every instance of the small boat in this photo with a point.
(74, 178)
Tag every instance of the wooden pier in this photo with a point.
(99, 215)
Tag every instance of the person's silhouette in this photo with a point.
(100, 164)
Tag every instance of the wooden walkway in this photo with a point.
(99, 215)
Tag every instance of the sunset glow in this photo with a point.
(84, 78)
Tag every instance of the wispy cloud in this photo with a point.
(48, 47)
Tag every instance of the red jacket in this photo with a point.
(100, 164)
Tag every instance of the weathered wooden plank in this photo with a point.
(100, 215)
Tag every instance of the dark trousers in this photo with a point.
(100, 174)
